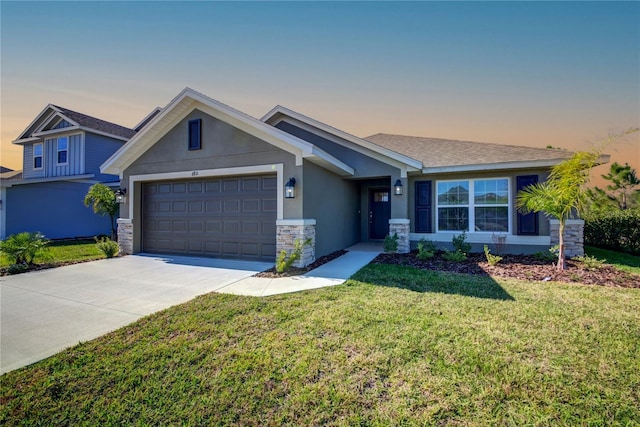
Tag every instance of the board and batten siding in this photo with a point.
(27, 164)
(75, 157)
(98, 149)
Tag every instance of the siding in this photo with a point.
(98, 149)
(27, 163)
(65, 215)
(75, 156)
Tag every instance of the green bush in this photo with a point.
(426, 249)
(617, 230)
(284, 263)
(590, 262)
(460, 243)
(391, 243)
(548, 256)
(491, 259)
(23, 247)
(455, 256)
(107, 246)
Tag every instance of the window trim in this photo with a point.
(471, 206)
(36, 156)
(190, 144)
(58, 151)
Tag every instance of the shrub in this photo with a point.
(284, 263)
(590, 262)
(22, 248)
(455, 256)
(460, 243)
(426, 249)
(491, 259)
(108, 247)
(391, 243)
(618, 230)
(548, 256)
(17, 268)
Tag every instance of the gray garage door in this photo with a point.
(232, 217)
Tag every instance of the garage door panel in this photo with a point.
(231, 217)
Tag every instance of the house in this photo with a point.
(62, 154)
(205, 179)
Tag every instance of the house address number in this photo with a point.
(194, 173)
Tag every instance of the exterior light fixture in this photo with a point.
(397, 188)
(289, 189)
(121, 195)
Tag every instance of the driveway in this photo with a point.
(44, 312)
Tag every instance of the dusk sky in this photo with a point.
(523, 73)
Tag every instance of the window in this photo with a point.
(381, 196)
(37, 156)
(63, 147)
(195, 134)
(486, 211)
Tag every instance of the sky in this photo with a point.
(565, 74)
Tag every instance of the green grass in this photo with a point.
(64, 251)
(619, 260)
(392, 346)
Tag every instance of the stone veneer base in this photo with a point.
(290, 230)
(125, 236)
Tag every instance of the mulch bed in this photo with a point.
(294, 271)
(523, 267)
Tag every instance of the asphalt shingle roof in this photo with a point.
(436, 152)
(97, 124)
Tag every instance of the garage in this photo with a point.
(231, 217)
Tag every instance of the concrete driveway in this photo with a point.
(46, 311)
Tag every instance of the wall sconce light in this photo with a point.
(397, 188)
(121, 195)
(289, 189)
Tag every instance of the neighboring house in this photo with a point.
(62, 154)
(205, 179)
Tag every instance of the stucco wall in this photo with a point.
(334, 203)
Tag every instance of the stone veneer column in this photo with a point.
(125, 236)
(573, 236)
(290, 230)
(400, 226)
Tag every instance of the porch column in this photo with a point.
(288, 231)
(573, 236)
(125, 236)
(401, 226)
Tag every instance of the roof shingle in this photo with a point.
(97, 124)
(436, 152)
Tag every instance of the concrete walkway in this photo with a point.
(332, 273)
(43, 312)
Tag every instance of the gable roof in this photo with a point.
(187, 101)
(446, 155)
(384, 154)
(46, 122)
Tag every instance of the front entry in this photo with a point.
(379, 213)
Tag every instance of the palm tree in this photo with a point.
(103, 201)
(564, 194)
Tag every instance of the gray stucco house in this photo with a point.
(205, 179)
(62, 154)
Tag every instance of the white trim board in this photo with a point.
(277, 168)
(512, 239)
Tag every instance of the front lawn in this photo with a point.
(620, 260)
(393, 346)
(63, 252)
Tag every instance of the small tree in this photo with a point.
(621, 193)
(563, 195)
(103, 201)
